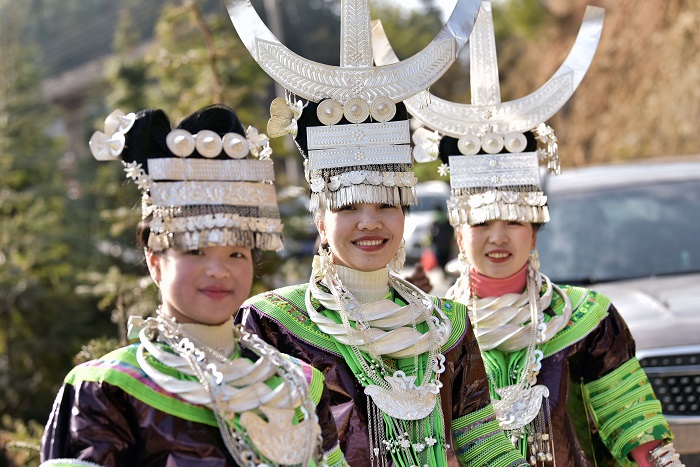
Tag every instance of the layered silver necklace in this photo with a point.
(267, 433)
(514, 322)
(381, 329)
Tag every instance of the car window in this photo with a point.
(625, 233)
(430, 202)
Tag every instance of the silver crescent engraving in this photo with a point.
(487, 112)
(356, 77)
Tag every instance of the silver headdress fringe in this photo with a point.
(394, 195)
(201, 226)
(473, 207)
(203, 238)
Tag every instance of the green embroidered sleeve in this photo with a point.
(334, 458)
(625, 410)
(121, 369)
(480, 441)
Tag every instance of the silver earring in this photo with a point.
(534, 260)
(464, 265)
(326, 256)
(397, 262)
(461, 289)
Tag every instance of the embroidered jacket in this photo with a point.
(473, 435)
(110, 413)
(601, 401)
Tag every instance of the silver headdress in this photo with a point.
(492, 183)
(489, 183)
(356, 144)
(199, 189)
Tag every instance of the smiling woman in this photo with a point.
(194, 389)
(202, 286)
(371, 332)
(498, 248)
(558, 357)
(363, 236)
(408, 384)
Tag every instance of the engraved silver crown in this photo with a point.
(492, 184)
(347, 160)
(204, 191)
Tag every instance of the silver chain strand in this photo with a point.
(537, 435)
(348, 307)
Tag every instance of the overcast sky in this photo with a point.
(446, 5)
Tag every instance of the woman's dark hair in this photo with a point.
(146, 139)
(143, 231)
(448, 146)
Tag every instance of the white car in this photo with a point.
(432, 197)
(632, 232)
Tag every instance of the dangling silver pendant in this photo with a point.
(278, 439)
(404, 401)
(518, 407)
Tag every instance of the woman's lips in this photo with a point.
(216, 293)
(498, 256)
(370, 244)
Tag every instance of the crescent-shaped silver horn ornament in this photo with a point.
(355, 77)
(487, 113)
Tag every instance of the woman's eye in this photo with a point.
(195, 252)
(241, 254)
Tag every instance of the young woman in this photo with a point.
(194, 389)
(407, 384)
(564, 381)
(563, 352)
(406, 380)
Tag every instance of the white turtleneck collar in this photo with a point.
(218, 337)
(367, 287)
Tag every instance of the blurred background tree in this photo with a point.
(40, 252)
(42, 322)
(640, 97)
